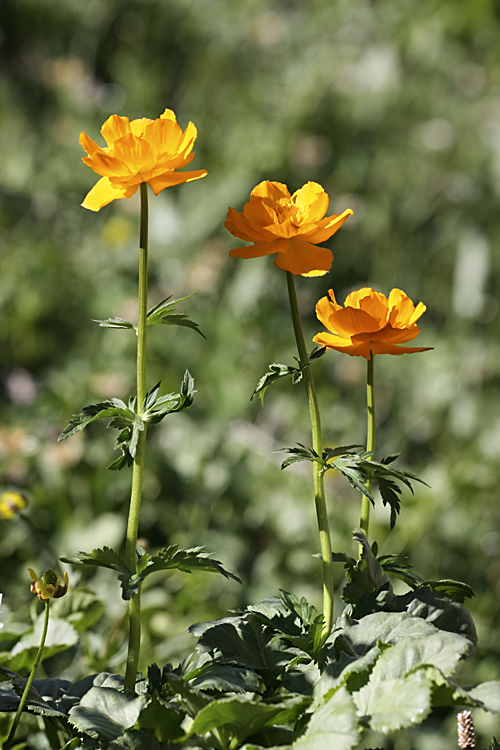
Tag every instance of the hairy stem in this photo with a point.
(319, 490)
(370, 443)
(22, 702)
(134, 642)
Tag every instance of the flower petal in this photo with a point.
(167, 179)
(259, 249)
(115, 127)
(104, 192)
(304, 259)
(327, 227)
(312, 201)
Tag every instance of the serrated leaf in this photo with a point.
(113, 407)
(302, 453)
(163, 314)
(396, 703)
(103, 558)
(333, 725)
(245, 642)
(171, 558)
(454, 589)
(489, 695)
(157, 407)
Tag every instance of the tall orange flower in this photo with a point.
(139, 151)
(369, 323)
(289, 225)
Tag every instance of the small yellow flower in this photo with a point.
(11, 503)
(49, 585)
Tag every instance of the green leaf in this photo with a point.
(80, 607)
(239, 718)
(105, 713)
(454, 589)
(116, 323)
(164, 719)
(366, 576)
(113, 407)
(275, 372)
(164, 314)
(395, 703)
(244, 641)
(155, 407)
(333, 725)
(489, 695)
(302, 453)
(135, 739)
(60, 637)
(102, 558)
(171, 558)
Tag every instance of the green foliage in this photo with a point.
(360, 469)
(276, 372)
(169, 558)
(161, 314)
(129, 423)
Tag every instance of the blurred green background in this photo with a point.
(394, 107)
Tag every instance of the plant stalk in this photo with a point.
(370, 443)
(134, 642)
(317, 444)
(24, 697)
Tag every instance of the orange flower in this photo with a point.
(289, 225)
(369, 323)
(138, 151)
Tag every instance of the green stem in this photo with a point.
(134, 642)
(370, 443)
(317, 444)
(22, 702)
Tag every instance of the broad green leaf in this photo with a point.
(395, 702)
(105, 713)
(489, 695)
(60, 636)
(240, 718)
(226, 679)
(165, 720)
(333, 726)
(244, 641)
